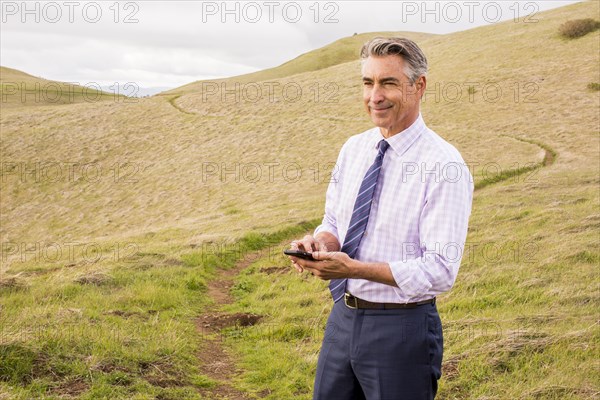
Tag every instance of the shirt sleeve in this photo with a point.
(431, 266)
(329, 222)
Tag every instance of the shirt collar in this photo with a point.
(402, 141)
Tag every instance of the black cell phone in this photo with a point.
(300, 254)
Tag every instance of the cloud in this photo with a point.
(163, 43)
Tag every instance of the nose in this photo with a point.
(377, 94)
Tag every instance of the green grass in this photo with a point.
(130, 335)
(595, 86)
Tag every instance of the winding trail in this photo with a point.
(215, 361)
(549, 157)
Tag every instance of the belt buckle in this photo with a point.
(348, 298)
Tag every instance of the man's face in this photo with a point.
(390, 98)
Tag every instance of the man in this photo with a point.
(395, 224)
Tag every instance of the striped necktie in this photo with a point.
(360, 217)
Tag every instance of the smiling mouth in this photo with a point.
(380, 109)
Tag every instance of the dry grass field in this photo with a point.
(116, 215)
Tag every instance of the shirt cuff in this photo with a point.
(410, 278)
(327, 228)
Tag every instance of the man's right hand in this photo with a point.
(323, 242)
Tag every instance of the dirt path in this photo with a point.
(215, 362)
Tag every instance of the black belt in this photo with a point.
(355, 302)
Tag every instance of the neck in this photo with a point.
(389, 131)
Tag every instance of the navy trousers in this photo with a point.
(380, 354)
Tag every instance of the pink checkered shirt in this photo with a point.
(419, 216)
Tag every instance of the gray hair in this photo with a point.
(416, 62)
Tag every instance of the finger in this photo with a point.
(301, 262)
(306, 245)
(313, 271)
(296, 265)
(322, 255)
(309, 243)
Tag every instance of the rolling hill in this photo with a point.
(339, 52)
(18, 89)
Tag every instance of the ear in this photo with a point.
(421, 85)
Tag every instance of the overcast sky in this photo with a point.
(171, 43)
